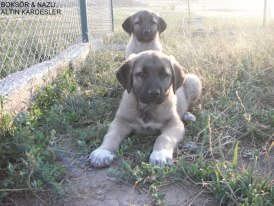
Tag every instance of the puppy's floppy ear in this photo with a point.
(127, 25)
(161, 24)
(124, 75)
(178, 74)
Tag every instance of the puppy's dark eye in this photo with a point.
(164, 75)
(141, 74)
(154, 22)
(137, 23)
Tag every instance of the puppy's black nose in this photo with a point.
(146, 32)
(154, 92)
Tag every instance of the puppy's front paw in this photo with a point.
(101, 157)
(161, 158)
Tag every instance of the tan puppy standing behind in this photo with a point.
(144, 28)
(157, 94)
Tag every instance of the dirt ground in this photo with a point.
(88, 186)
(97, 188)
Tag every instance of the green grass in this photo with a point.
(28, 142)
(233, 133)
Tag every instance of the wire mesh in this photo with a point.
(100, 17)
(28, 39)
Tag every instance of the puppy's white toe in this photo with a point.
(189, 117)
(161, 158)
(101, 157)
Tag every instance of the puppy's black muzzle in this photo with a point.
(146, 36)
(154, 93)
(152, 96)
(146, 32)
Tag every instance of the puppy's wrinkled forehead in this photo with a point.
(151, 62)
(145, 16)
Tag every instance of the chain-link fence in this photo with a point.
(207, 15)
(100, 17)
(33, 31)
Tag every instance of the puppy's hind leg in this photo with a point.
(187, 95)
(193, 87)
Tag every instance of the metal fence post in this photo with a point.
(188, 8)
(112, 19)
(265, 12)
(84, 20)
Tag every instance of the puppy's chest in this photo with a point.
(141, 46)
(148, 122)
(148, 115)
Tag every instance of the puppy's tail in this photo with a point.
(193, 87)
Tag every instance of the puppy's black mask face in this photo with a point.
(151, 80)
(150, 75)
(144, 25)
